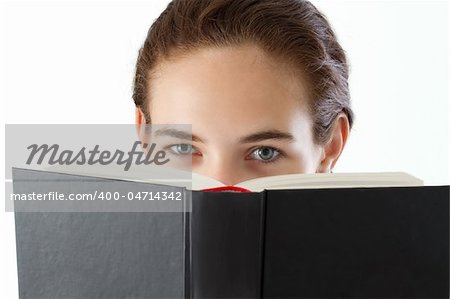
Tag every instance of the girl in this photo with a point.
(263, 83)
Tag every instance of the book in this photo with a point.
(176, 177)
(367, 240)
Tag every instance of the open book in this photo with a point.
(194, 181)
(304, 240)
(314, 181)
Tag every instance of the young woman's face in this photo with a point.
(249, 114)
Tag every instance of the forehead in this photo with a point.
(238, 87)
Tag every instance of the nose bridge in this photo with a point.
(223, 167)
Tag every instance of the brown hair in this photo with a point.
(291, 30)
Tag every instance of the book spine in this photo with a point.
(262, 240)
(187, 242)
(225, 245)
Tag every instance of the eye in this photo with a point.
(265, 154)
(183, 149)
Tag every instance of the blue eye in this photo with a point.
(265, 154)
(182, 149)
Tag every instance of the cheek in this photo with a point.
(305, 158)
(305, 152)
(282, 166)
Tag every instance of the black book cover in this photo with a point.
(310, 243)
(357, 243)
(226, 239)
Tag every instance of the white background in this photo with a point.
(73, 62)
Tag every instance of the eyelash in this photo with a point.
(279, 156)
(169, 147)
(280, 152)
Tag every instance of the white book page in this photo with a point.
(194, 181)
(332, 180)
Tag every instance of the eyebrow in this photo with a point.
(266, 135)
(255, 137)
(177, 134)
